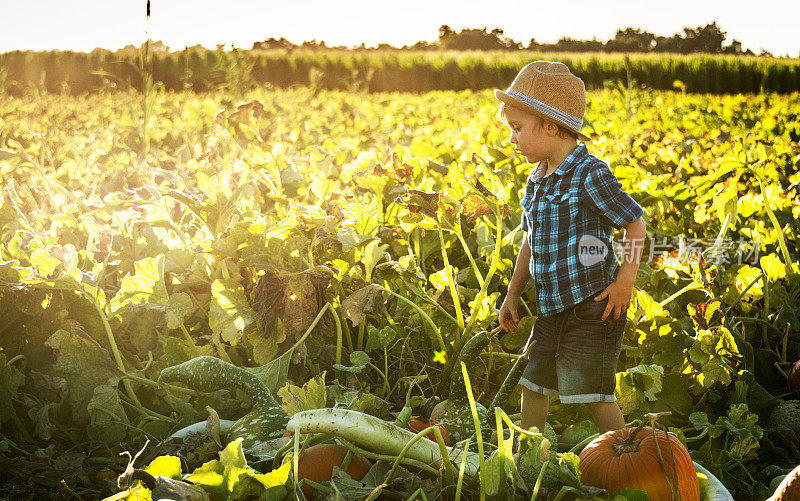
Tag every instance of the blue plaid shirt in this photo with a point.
(569, 217)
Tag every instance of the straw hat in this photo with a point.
(548, 90)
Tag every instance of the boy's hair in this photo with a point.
(563, 132)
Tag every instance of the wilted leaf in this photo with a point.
(474, 207)
(364, 301)
(40, 415)
(420, 202)
(295, 298)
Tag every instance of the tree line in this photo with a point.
(708, 39)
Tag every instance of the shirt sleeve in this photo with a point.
(603, 193)
(524, 220)
(525, 202)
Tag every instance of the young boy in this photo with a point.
(572, 200)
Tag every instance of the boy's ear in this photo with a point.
(551, 128)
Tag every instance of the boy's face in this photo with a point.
(529, 135)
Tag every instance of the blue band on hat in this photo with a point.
(570, 120)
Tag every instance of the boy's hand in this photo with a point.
(509, 316)
(619, 297)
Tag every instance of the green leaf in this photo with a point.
(569, 465)
(699, 420)
(10, 381)
(177, 350)
(264, 347)
(165, 466)
(713, 352)
(637, 386)
(773, 267)
(494, 478)
(513, 341)
(373, 253)
(650, 307)
(44, 262)
(628, 494)
(577, 432)
(229, 313)
(178, 306)
(651, 379)
(185, 411)
(359, 358)
(84, 367)
(145, 286)
(108, 419)
(350, 239)
(177, 261)
(273, 373)
(263, 486)
(311, 396)
(379, 338)
(219, 477)
(352, 370)
(439, 279)
(486, 309)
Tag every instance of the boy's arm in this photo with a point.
(619, 293)
(633, 245)
(509, 316)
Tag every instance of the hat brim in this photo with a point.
(516, 103)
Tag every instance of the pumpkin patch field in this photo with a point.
(197, 289)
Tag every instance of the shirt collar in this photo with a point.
(573, 159)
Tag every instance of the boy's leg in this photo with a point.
(534, 409)
(607, 416)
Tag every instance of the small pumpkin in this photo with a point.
(789, 488)
(629, 458)
(316, 463)
(794, 377)
(416, 424)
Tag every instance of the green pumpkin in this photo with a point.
(457, 417)
(265, 421)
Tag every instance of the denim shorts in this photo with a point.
(575, 354)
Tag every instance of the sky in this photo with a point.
(86, 24)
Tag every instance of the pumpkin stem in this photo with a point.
(653, 418)
(629, 444)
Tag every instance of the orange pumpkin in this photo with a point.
(789, 488)
(629, 458)
(316, 463)
(416, 425)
